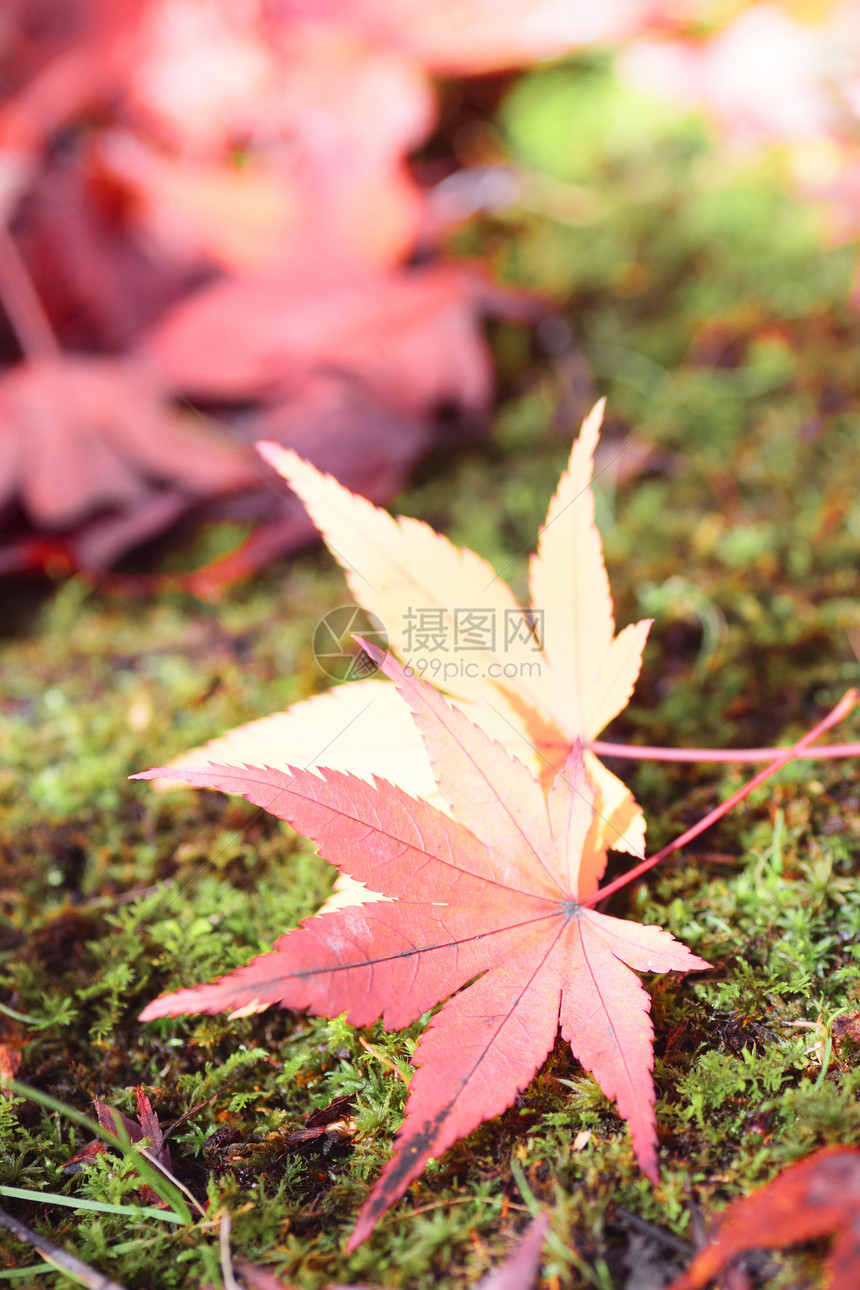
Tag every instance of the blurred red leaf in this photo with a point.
(815, 1197)
(79, 434)
(10, 1059)
(270, 142)
(82, 435)
(331, 119)
(412, 334)
(56, 58)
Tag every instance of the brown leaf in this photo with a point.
(846, 1027)
(147, 1126)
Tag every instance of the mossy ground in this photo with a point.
(705, 303)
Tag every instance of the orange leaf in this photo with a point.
(405, 574)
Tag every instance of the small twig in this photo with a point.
(468, 1200)
(843, 707)
(650, 1229)
(227, 1274)
(382, 1059)
(191, 1110)
(53, 1254)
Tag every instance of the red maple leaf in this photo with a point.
(115, 1123)
(79, 434)
(500, 904)
(89, 441)
(809, 1199)
(411, 335)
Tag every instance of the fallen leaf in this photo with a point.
(411, 334)
(497, 904)
(82, 436)
(846, 1026)
(361, 371)
(332, 118)
(544, 698)
(57, 57)
(325, 1129)
(562, 683)
(812, 1198)
(10, 1059)
(146, 1126)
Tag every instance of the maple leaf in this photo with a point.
(354, 364)
(84, 433)
(87, 440)
(10, 1058)
(568, 690)
(411, 334)
(498, 904)
(117, 1124)
(809, 1199)
(338, 117)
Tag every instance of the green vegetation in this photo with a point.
(703, 302)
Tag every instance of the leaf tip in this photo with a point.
(359, 1234)
(273, 453)
(151, 1012)
(379, 656)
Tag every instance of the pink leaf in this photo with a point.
(487, 921)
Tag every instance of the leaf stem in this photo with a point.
(648, 752)
(843, 707)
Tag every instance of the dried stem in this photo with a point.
(227, 1274)
(647, 752)
(841, 710)
(67, 1263)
